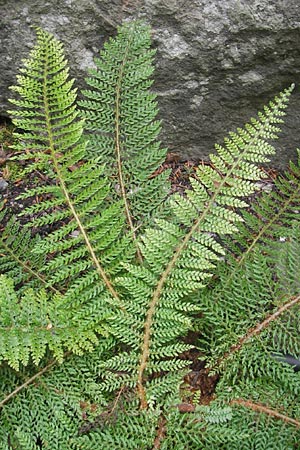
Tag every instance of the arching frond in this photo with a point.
(180, 256)
(72, 201)
(32, 323)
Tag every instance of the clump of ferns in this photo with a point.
(113, 286)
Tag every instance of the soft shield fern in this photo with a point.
(102, 286)
(264, 250)
(66, 203)
(180, 255)
(120, 113)
(17, 244)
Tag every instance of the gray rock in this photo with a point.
(3, 184)
(217, 63)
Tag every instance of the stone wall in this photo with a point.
(217, 61)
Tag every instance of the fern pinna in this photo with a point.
(108, 283)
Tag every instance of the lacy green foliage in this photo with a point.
(120, 113)
(80, 241)
(251, 316)
(17, 244)
(287, 259)
(180, 255)
(94, 312)
(30, 323)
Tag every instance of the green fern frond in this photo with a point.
(180, 256)
(252, 359)
(286, 253)
(118, 323)
(251, 305)
(60, 398)
(269, 218)
(263, 267)
(75, 195)
(120, 113)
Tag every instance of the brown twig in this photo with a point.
(161, 433)
(117, 400)
(30, 380)
(264, 409)
(258, 329)
(108, 416)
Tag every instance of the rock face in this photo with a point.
(217, 61)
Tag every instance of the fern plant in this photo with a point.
(120, 112)
(102, 285)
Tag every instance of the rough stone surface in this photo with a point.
(217, 61)
(3, 184)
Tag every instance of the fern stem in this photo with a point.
(161, 432)
(86, 239)
(119, 157)
(116, 401)
(145, 348)
(156, 297)
(257, 329)
(276, 217)
(263, 409)
(30, 380)
(28, 269)
(94, 258)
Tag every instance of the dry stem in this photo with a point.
(264, 409)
